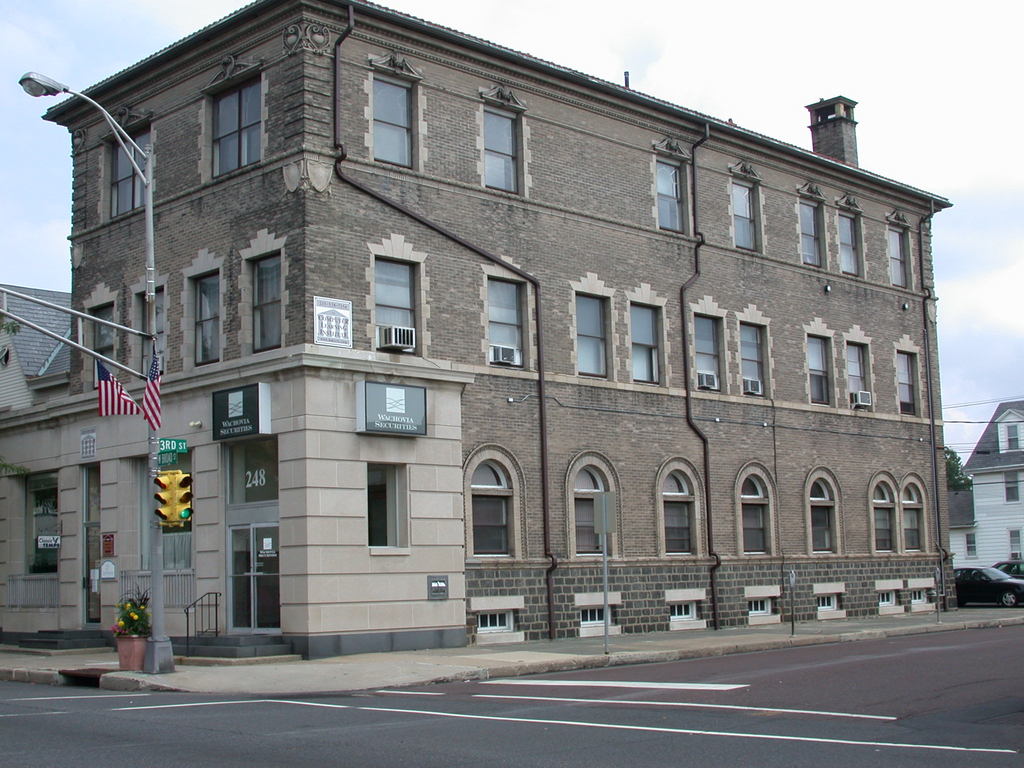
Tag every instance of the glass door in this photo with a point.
(91, 532)
(255, 578)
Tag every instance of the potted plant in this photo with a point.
(131, 629)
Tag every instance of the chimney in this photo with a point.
(833, 129)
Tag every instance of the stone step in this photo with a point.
(234, 651)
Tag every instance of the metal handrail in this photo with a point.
(202, 606)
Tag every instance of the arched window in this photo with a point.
(754, 503)
(912, 518)
(588, 484)
(823, 517)
(492, 495)
(677, 509)
(883, 509)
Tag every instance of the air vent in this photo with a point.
(396, 337)
(505, 355)
(707, 380)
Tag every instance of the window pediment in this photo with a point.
(811, 190)
(396, 64)
(671, 147)
(745, 170)
(500, 96)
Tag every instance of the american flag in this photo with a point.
(151, 398)
(114, 401)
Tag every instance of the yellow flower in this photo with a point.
(135, 616)
(120, 622)
(128, 606)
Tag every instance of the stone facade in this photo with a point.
(580, 218)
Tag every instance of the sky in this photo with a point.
(935, 111)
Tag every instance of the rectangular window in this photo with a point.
(856, 369)
(103, 336)
(127, 192)
(393, 293)
(906, 374)
(266, 303)
(497, 621)
(883, 530)
(912, 529)
(706, 335)
(971, 542)
(810, 234)
(588, 541)
(253, 473)
(42, 527)
(236, 128)
(898, 258)
(760, 607)
(754, 533)
(591, 616)
(917, 596)
(1015, 544)
(887, 598)
(392, 122)
(849, 245)
(643, 326)
(385, 506)
(500, 150)
(1012, 437)
(1011, 487)
(752, 359)
(743, 221)
(827, 602)
(817, 369)
(821, 529)
(207, 319)
(591, 340)
(682, 611)
(677, 527)
(670, 198)
(505, 323)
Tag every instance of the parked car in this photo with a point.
(988, 585)
(1012, 567)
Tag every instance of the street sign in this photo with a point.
(169, 445)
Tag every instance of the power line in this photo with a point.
(983, 402)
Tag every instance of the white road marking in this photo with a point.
(33, 714)
(692, 705)
(410, 693)
(603, 726)
(84, 696)
(620, 684)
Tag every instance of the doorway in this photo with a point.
(255, 590)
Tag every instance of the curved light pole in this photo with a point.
(159, 653)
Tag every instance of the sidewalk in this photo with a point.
(291, 675)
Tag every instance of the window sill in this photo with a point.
(756, 621)
(683, 624)
(597, 630)
(890, 610)
(497, 638)
(832, 614)
(390, 551)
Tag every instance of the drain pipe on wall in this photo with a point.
(927, 309)
(709, 526)
(545, 490)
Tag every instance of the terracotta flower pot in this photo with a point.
(131, 652)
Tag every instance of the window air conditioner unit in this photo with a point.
(505, 355)
(396, 337)
(752, 387)
(1015, 555)
(860, 399)
(707, 381)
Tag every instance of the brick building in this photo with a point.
(477, 298)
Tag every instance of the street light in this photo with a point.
(159, 653)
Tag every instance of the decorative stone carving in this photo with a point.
(78, 140)
(232, 67)
(898, 218)
(125, 116)
(500, 96)
(306, 174)
(396, 64)
(810, 189)
(670, 146)
(849, 202)
(307, 37)
(745, 169)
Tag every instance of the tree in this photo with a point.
(956, 478)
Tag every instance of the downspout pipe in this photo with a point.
(545, 485)
(687, 373)
(927, 305)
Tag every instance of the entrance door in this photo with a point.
(91, 582)
(255, 578)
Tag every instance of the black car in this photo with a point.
(1012, 567)
(988, 585)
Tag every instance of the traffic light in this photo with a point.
(175, 497)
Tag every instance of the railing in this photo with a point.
(207, 615)
(179, 586)
(33, 590)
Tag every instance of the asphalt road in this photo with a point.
(943, 699)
